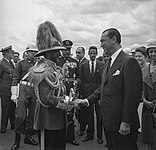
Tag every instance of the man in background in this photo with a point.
(80, 55)
(26, 100)
(71, 74)
(16, 58)
(90, 76)
(6, 77)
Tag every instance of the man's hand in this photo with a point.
(148, 104)
(79, 102)
(124, 128)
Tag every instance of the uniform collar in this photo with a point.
(6, 59)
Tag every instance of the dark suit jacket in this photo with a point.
(120, 93)
(89, 83)
(83, 61)
(6, 77)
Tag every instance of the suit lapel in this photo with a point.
(104, 74)
(114, 66)
(11, 64)
(95, 70)
(88, 68)
(8, 63)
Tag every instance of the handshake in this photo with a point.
(77, 103)
(68, 105)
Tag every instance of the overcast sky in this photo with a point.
(81, 21)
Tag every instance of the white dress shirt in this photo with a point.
(90, 65)
(114, 56)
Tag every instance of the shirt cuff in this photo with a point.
(87, 102)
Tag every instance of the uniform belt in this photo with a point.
(26, 83)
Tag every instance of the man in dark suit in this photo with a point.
(90, 80)
(6, 77)
(80, 55)
(120, 93)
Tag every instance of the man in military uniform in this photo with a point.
(71, 73)
(6, 77)
(24, 99)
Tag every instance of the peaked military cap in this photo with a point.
(15, 52)
(8, 48)
(67, 43)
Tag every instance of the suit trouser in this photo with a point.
(116, 141)
(8, 111)
(53, 139)
(25, 109)
(87, 118)
(98, 121)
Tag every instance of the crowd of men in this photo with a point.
(14, 72)
(114, 98)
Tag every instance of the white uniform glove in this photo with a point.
(15, 93)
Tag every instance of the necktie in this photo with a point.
(108, 64)
(92, 68)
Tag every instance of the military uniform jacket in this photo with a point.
(21, 70)
(71, 71)
(6, 77)
(49, 111)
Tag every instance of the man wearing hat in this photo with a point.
(71, 69)
(16, 57)
(6, 77)
(24, 98)
(50, 116)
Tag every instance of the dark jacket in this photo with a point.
(6, 77)
(83, 61)
(120, 93)
(88, 82)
